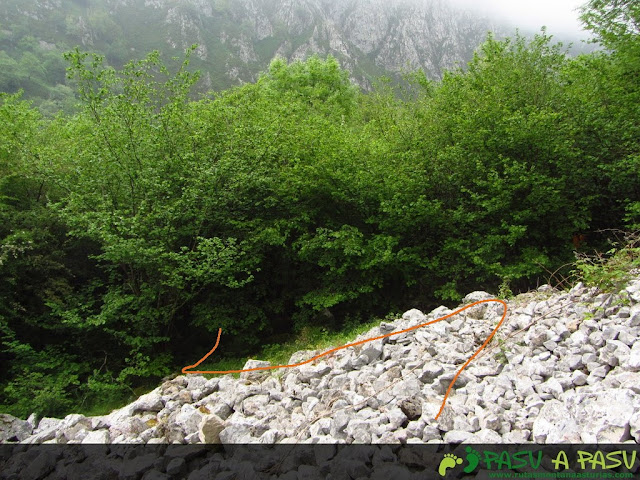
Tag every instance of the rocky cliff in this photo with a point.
(238, 38)
(564, 367)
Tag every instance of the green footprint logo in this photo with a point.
(473, 457)
(449, 461)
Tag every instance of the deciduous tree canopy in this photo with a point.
(131, 231)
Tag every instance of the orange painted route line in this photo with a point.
(188, 369)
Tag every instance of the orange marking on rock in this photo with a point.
(188, 368)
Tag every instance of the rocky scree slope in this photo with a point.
(564, 367)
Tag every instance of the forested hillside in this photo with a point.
(236, 39)
(131, 231)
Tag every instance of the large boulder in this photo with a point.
(604, 415)
(555, 424)
(13, 429)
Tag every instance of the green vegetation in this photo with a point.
(612, 270)
(34, 35)
(315, 338)
(294, 207)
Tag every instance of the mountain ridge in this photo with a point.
(236, 39)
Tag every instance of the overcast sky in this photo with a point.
(560, 16)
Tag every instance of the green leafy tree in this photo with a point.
(615, 22)
(321, 83)
(613, 95)
(134, 189)
(9, 81)
(36, 263)
(134, 229)
(498, 181)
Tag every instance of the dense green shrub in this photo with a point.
(134, 229)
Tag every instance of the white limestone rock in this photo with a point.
(633, 289)
(430, 372)
(488, 436)
(149, 402)
(634, 426)
(209, 429)
(459, 436)
(566, 379)
(13, 429)
(308, 372)
(187, 418)
(256, 374)
(603, 415)
(477, 312)
(555, 424)
(414, 317)
(97, 436)
(634, 357)
(236, 434)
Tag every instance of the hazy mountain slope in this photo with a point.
(237, 38)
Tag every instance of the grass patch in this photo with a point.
(610, 271)
(105, 407)
(308, 338)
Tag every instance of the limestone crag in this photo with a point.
(564, 367)
(237, 39)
